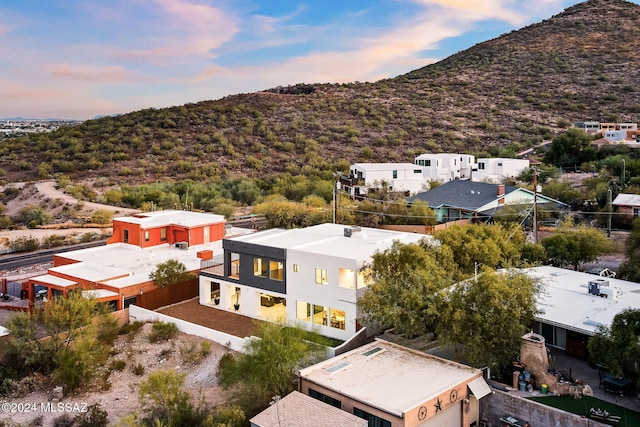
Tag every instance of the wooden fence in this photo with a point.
(168, 295)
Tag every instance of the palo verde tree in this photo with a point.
(619, 345)
(266, 367)
(574, 245)
(482, 246)
(80, 333)
(169, 273)
(405, 284)
(485, 316)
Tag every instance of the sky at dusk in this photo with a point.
(78, 59)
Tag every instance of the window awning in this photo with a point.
(479, 388)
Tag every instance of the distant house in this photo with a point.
(627, 205)
(496, 169)
(390, 385)
(445, 167)
(398, 177)
(468, 199)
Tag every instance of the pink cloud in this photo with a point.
(90, 73)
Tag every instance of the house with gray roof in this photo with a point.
(462, 199)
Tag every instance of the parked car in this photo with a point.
(602, 272)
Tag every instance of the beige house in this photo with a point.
(393, 386)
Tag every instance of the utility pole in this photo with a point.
(535, 205)
(609, 216)
(336, 196)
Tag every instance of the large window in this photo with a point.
(276, 270)
(319, 315)
(322, 276)
(346, 278)
(259, 267)
(324, 398)
(374, 421)
(163, 234)
(337, 318)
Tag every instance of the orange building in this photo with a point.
(119, 271)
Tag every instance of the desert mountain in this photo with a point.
(499, 96)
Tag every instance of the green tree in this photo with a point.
(484, 317)
(164, 400)
(619, 345)
(404, 288)
(482, 246)
(421, 213)
(78, 343)
(101, 216)
(33, 216)
(266, 367)
(574, 245)
(170, 272)
(570, 148)
(630, 268)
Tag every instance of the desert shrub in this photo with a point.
(138, 369)
(131, 328)
(163, 331)
(53, 241)
(94, 417)
(118, 365)
(23, 244)
(63, 420)
(108, 329)
(193, 354)
(101, 216)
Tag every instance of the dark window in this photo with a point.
(129, 301)
(326, 399)
(373, 420)
(126, 236)
(427, 162)
(395, 174)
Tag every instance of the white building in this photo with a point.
(309, 276)
(496, 169)
(445, 167)
(402, 177)
(573, 305)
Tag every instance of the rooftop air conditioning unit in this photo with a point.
(182, 245)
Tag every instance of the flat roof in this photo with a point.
(172, 217)
(627, 200)
(385, 166)
(48, 279)
(565, 300)
(329, 239)
(99, 293)
(299, 410)
(121, 265)
(389, 377)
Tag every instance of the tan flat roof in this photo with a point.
(389, 377)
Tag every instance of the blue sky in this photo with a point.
(77, 59)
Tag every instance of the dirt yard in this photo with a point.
(120, 397)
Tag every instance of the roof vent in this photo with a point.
(347, 232)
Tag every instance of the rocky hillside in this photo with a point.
(499, 96)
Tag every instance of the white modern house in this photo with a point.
(402, 177)
(445, 167)
(309, 276)
(496, 169)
